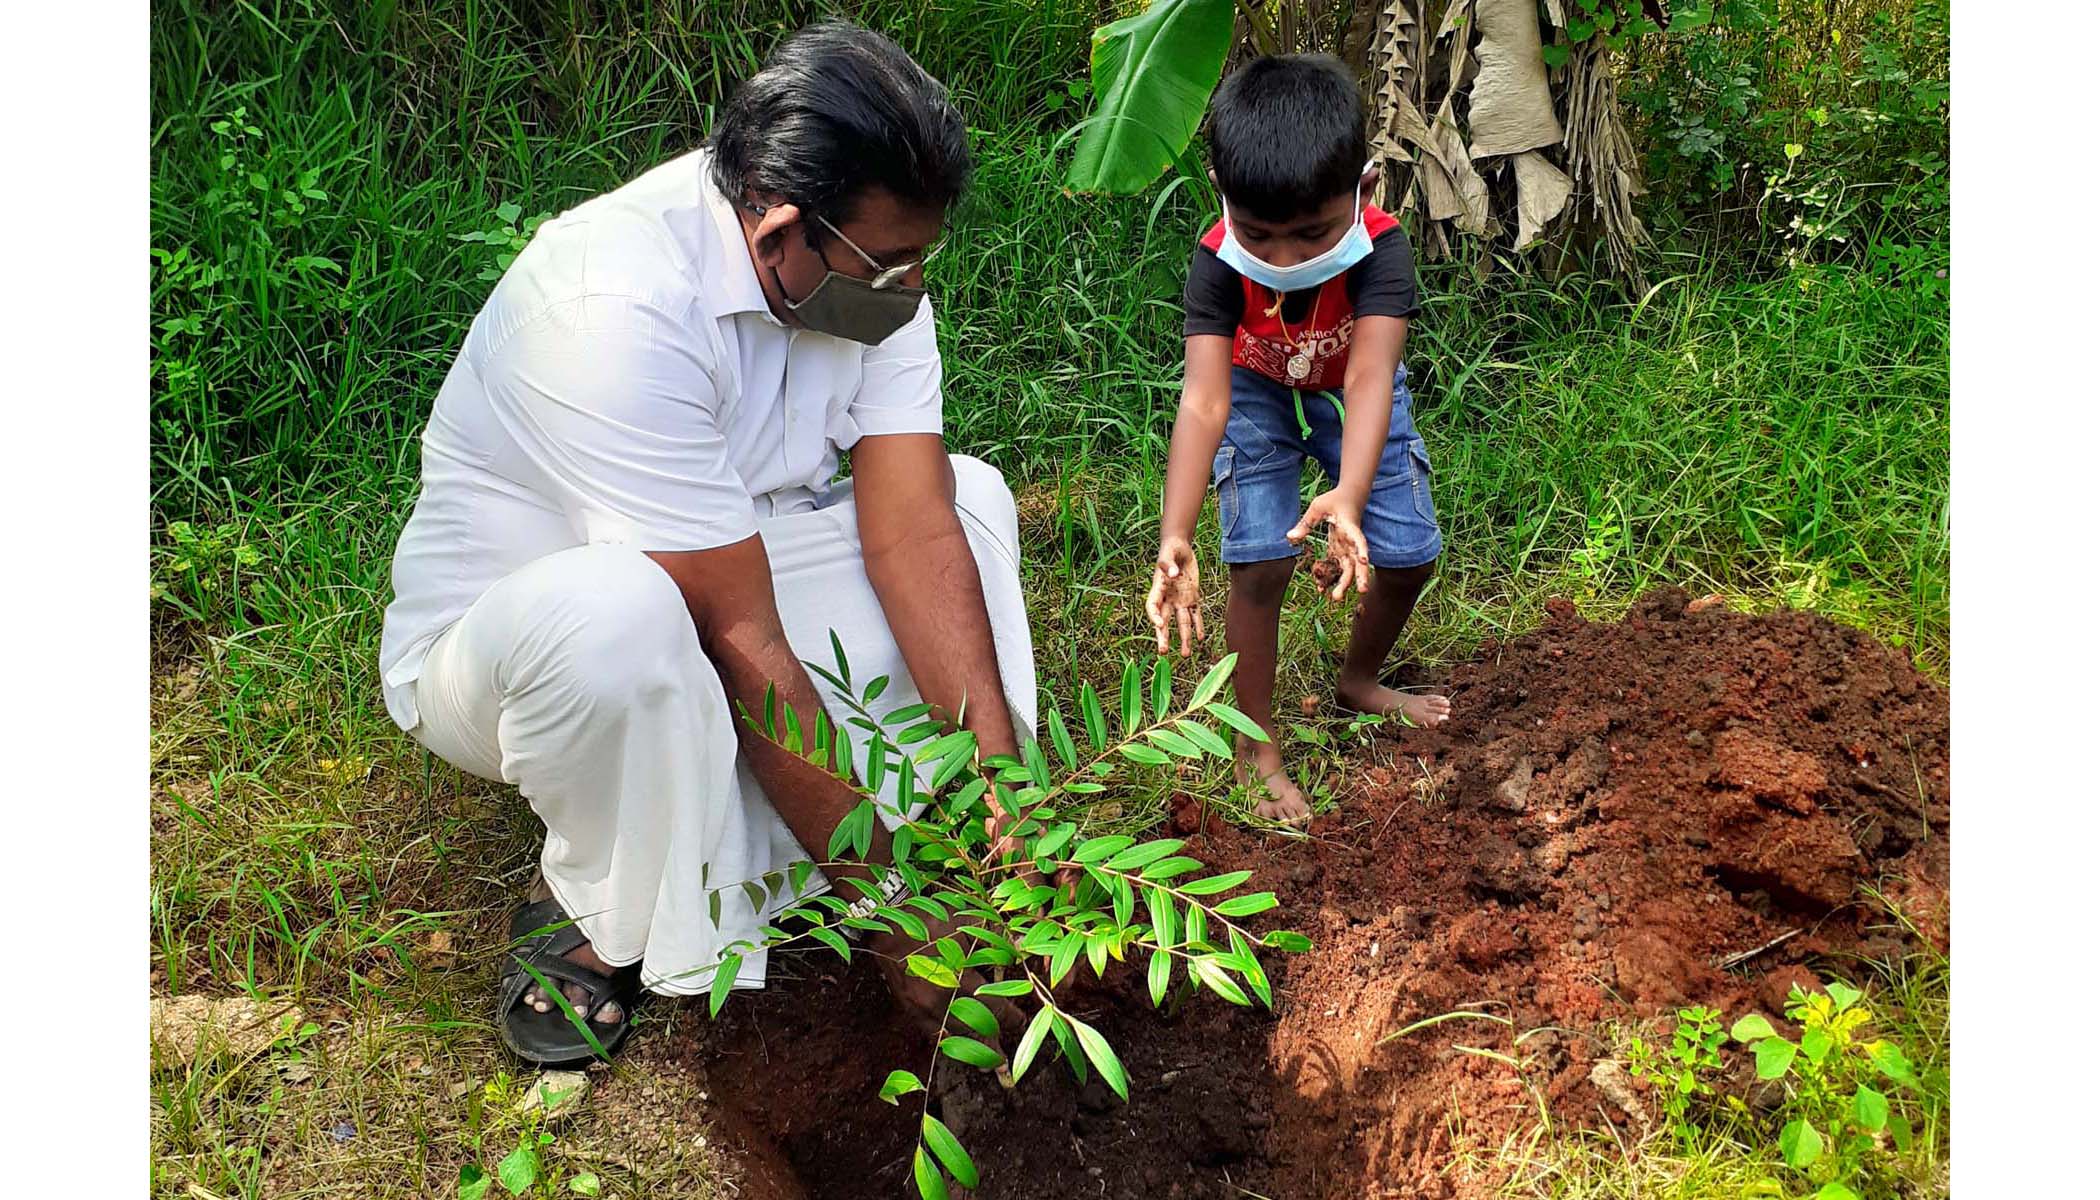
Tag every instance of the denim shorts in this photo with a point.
(1270, 432)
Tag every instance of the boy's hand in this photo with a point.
(1174, 595)
(1346, 547)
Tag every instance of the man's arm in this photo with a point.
(919, 561)
(1199, 425)
(729, 592)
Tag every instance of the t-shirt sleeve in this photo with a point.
(613, 404)
(1213, 298)
(1383, 285)
(900, 385)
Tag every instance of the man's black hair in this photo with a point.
(839, 109)
(1287, 135)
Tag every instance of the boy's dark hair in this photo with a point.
(1287, 135)
(839, 109)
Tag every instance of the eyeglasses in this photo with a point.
(885, 277)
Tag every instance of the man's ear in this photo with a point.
(1367, 185)
(773, 224)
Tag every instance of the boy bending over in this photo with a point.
(1297, 310)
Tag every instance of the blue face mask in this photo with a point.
(1353, 248)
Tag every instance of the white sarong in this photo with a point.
(579, 678)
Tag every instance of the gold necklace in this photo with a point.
(1299, 365)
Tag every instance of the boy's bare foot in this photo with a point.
(1286, 803)
(583, 956)
(1374, 697)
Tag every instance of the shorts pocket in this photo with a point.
(1418, 456)
(1228, 491)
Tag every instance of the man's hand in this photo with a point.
(1175, 596)
(1346, 547)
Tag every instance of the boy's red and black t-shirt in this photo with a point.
(1300, 339)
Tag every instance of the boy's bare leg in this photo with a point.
(1384, 610)
(1253, 607)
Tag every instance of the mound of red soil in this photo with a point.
(1615, 816)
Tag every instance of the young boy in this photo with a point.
(1297, 310)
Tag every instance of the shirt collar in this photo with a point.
(735, 287)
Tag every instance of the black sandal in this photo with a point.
(540, 934)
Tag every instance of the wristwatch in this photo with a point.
(892, 884)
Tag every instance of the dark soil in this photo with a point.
(1612, 812)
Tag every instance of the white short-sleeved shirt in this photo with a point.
(626, 383)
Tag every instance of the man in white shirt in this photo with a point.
(628, 526)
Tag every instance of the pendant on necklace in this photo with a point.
(1299, 366)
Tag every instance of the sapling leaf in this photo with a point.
(1007, 987)
(1067, 954)
(1174, 743)
(1133, 699)
(1899, 1133)
(1053, 841)
(1091, 715)
(900, 1083)
(1843, 993)
(1240, 722)
(949, 1151)
(876, 687)
(1247, 905)
(1068, 1046)
(1157, 973)
(1168, 868)
(519, 1169)
(1162, 687)
(1093, 850)
(1287, 940)
(936, 973)
(1892, 1062)
(1870, 1108)
(1103, 1057)
(1216, 883)
(1097, 951)
(1774, 1056)
(1751, 1028)
(838, 655)
(1061, 738)
(725, 978)
(1205, 737)
(1160, 903)
(928, 1176)
(1149, 852)
(1146, 755)
(908, 714)
(1032, 1039)
(1207, 972)
(971, 1051)
(1815, 1044)
(1124, 900)
(1214, 681)
(974, 1014)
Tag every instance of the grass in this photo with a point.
(1780, 440)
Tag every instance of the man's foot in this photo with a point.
(1263, 761)
(1414, 707)
(583, 956)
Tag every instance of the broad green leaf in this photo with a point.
(974, 1014)
(1240, 722)
(1844, 993)
(1090, 712)
(1133, 699)
(1153, 74)
(1149, 852)
(900, 1083)
(1815, 1044)
(1774, 1056)
(1247, 905)
(1752, 1028)
(1032, 1039)
(1103, 1058)
(1899, 1133)
(1555, 56)
(1214, 681)
(949, 1151)
(473, 1182)
(1870, 1108)
(586, 1184)
(971, 1051)
(1891, 1061)
(1800, 1144)
(1216, 883)
(1162, 687)
(519, 1170)
(927, 1176)
(1205, 737)
(1094, 850)
(1157, 974)
(1061, 738)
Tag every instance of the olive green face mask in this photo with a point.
(860, 310)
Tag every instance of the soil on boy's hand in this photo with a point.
(1699, 782)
